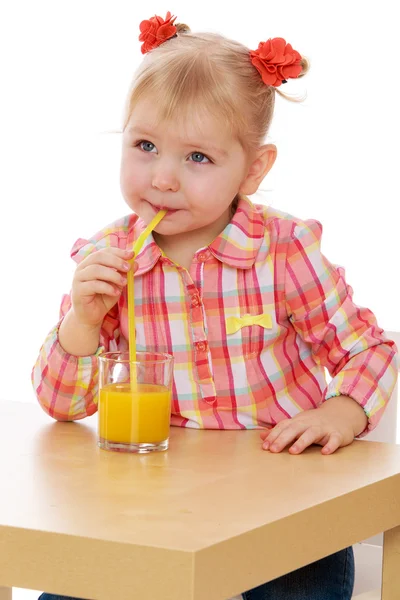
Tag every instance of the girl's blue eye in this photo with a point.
(147, 146)
(198, 157)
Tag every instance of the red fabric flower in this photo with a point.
(155, 31)
(276, 61)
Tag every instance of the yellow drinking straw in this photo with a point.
(131, 293)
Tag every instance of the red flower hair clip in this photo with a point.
(156, 31)
(276, 61)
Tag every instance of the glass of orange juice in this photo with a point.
(134, 401)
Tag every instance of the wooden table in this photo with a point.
(209, 518)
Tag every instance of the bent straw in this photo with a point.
(131, 294)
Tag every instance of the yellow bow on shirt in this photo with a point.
(233, 324)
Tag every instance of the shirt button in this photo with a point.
(201, 346)
(195, 300)
(203, 256)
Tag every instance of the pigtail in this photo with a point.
(182, 28)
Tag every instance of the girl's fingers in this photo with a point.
(109, 257)
(101, 273)
(282, 435)
(90, 288)
(311, 435)
(335, 441)
(272, 434)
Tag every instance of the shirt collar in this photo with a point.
(240, 241)
(150, 252)
(237, 245)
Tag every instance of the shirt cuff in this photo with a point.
(344, 391)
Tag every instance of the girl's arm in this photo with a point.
(345, 338)
(66, 385)
(77, 338)
(65, 376)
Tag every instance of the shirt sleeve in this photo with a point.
(66, 385)
(344, 338)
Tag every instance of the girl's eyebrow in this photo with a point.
(138, 131)
(201, 145)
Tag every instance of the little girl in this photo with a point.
(240, 294)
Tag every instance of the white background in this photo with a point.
(65, 72)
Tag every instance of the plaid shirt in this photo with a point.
(252, 326)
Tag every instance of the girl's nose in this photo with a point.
(165, 179)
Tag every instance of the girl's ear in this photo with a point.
(262, 161)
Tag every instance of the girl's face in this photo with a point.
(194, 171)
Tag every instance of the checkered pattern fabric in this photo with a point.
(299, 319)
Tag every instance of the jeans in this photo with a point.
(331, 578)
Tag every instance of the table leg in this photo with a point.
(391, 570)
(5, 593)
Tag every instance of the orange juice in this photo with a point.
(136, 416)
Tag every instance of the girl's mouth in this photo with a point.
(170, 211)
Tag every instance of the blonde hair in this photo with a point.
(206, 72)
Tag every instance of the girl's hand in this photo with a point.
(334, 424)
(98, 283)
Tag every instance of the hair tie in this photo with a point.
(276, 61)
(156, 31)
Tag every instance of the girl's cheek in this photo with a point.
(132, 179)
